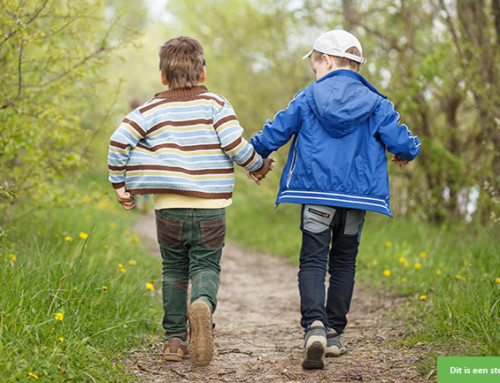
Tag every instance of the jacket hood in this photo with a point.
(341, 100)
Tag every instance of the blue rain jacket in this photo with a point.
(341, 127)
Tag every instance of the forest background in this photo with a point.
(69, 71)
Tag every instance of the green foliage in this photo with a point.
(50, 55)
(83, 266)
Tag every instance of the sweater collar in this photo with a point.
(182, 92)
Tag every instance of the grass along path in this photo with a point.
(258, 337)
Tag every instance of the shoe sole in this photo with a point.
(201, 340)
(336, 352)
(314, 356)
(169, 357)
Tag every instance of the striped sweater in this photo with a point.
(183, 141)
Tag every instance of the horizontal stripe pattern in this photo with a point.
(182, 141)
(376, 204)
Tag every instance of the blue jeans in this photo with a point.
(321, 225)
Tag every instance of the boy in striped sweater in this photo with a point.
(181, 147)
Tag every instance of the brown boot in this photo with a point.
(201, 337)
(174, 350)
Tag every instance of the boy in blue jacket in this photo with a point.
(336, 169)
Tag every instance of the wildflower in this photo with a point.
(136, 239)
(387, 272)
(438, 272)
(133, 263)
(86, 199)
(423, 254)
(402, 260)
(112, 226)
(68, 239)
(497, 280)
(403, 280)
(32, 375)
(106, 247)
(12, 257)
(150, 286)
(458, 277)
(60, 339)
(104, 288)
(388, 244)
(418, 265)
(422, 297)
(84, 235)
(120, 266)
(405, 264)
(59, 316)
(122, 269)
(375, 263)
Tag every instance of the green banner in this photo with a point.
(468, 369)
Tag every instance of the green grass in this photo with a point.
(450, 275)
(65, 263)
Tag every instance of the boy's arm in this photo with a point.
(125, 137)
(230, 132)
(278, 132)
(397, 138)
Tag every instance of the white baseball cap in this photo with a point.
(335, 43)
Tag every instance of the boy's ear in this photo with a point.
(328, 61)
(203, 75)
(163, 79)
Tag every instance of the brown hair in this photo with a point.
(181, 62)
(341, 61)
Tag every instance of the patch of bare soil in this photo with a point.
(258, 337)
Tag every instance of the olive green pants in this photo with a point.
(191, 242)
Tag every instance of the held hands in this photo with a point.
(125, 199)
(261, 174)
(400, 161)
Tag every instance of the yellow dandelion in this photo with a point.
(84, 235)
(150, 286)
(60, 339)
(402, 260)
(388, 244)
(104, 288)
(32, 375)
(497, 280)
(403, 280)
(422, 297)
(418, 265)
(112, 226)
(106, 247)
(438, 272)
(458, 277)
(136, 239)
(133, 263)
(117, 244)
(12, 257)
(122, 270)
(423, 254)
(387, 272)
(375, 263)
(406, 264)
(59, 316)
(120, 266)
(68, 239)
(159, 292)
(86, 199)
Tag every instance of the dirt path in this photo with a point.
(258, 337)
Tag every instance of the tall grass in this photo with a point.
(450, 274)
(74, 293)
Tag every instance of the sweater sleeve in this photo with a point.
(126, 136)
(278, 132)
(230, 132)
(397, 138)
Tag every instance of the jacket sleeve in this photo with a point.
(278, 132)
(126, 136)
(397, 138)
(230, 132)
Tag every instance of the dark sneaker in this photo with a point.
(334, 345)
(174, 350)
(201, 338)
(314, 346)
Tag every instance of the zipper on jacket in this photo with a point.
(292, 166)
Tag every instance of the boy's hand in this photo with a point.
(400, 161)
(261, 174)
(125, 198)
